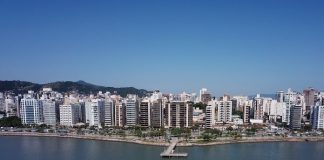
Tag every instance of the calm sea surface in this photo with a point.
(44, 148)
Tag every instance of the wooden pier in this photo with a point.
(169, 152)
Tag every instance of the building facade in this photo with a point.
(31, 111)
(210, 117)
(131, 105)
(179, 114)
(109, 112)
(295, 117)
(95, 114)
(49, 112)
(69, 114)
(224, 111)
(156, 114)
(318, 117)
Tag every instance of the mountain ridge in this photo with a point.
(21, 87)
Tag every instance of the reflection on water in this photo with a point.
(50, 148)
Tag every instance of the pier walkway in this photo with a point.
(169, 152)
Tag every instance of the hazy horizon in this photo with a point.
(239, 48)
(197, 92)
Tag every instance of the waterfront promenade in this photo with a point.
(197, 142)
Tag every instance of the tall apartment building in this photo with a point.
(280, 96)
(277, 111)
(295, 117)
(69, 114)
(224, 111)
(10, 106)
(179, 114)
(17, 101)
(201, 93)
(131, 105)
(144, 114)
(205, 98)
(109, 112)
(2, 102)
(310, 98)
(210, 115)
(49, 112)
(94, 110)
(238, 102)
(150, 113)
(258, 110)
(120, 114)
(156, 115)
(318, 117)
(246, 113)
(31, 110)
(290, 100)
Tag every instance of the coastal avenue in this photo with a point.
(169, 152)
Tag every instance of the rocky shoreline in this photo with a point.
(219, 141)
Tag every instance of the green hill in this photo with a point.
(20, 87)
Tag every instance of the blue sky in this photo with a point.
(234, 47)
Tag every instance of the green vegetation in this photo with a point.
(200, 106)
(181, 132)
(10, 122)
(253, 129)
(19, 87)
(214, 132)
(210, 134)
(206, 137)
(240, 113)
(40, 128)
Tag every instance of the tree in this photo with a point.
(10, 122)
(121, 133)
(230, 129)
(138, 132)
(176, 132)
(200, 105)
(214, 132)
(206, 137)
(240, 113)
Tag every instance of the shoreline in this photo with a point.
(165, 144)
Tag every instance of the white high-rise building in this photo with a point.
(201, 92)
(95, 112)
(278, 110)
(10, 107)
(69, 114)
(109, 112)
(2, 102)
(49, 112)
(224, 113)
(318, 117)
(290, 100)
(31, 110)
(131, 105)
(280, 96)
(119, 114)
(210, 114)
(258, 108)
(240, 102)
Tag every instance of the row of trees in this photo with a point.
(10, 122)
